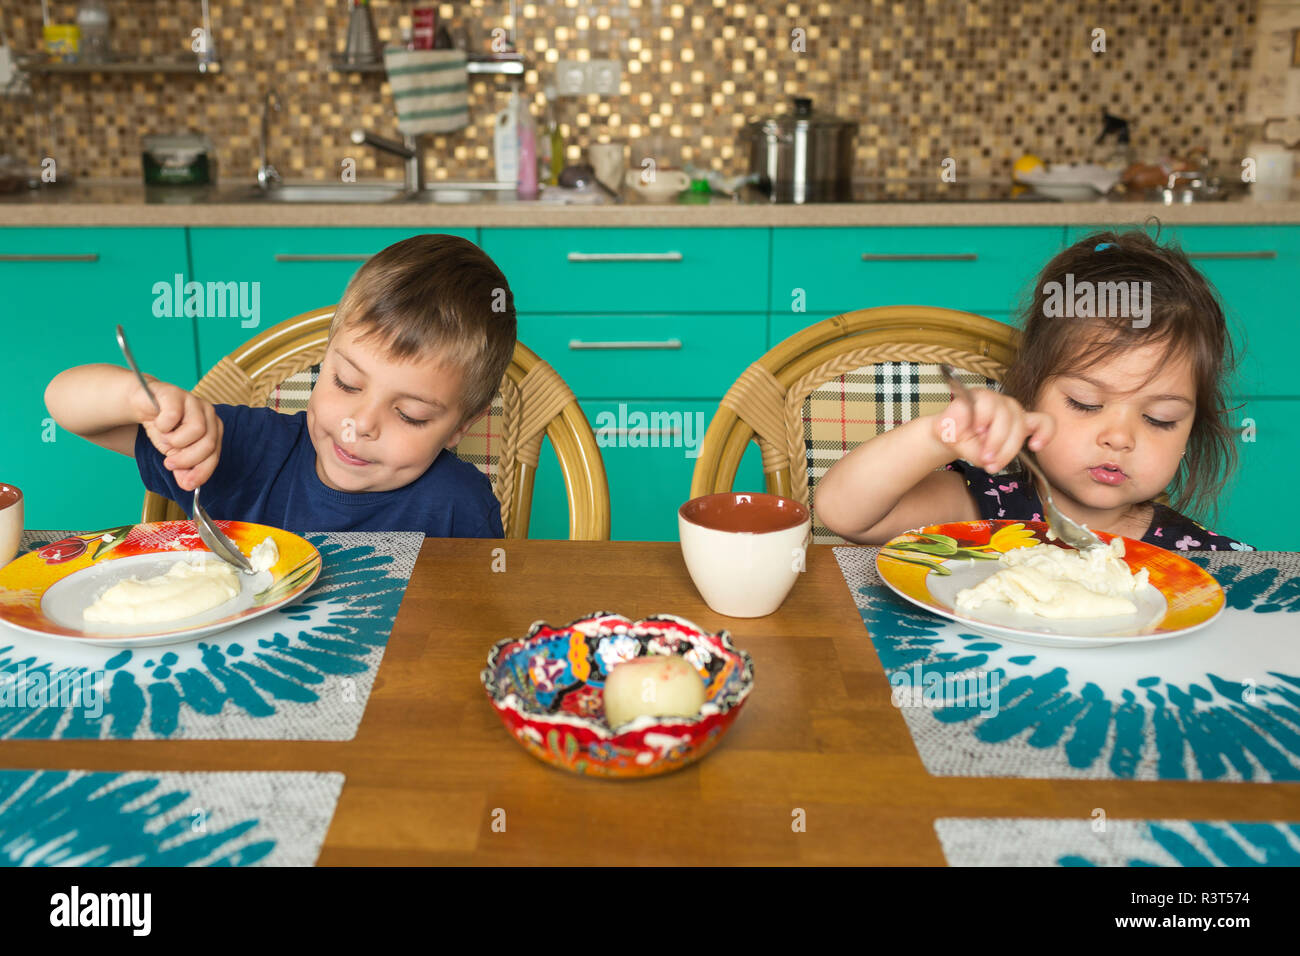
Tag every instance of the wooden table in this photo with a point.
(432, 766)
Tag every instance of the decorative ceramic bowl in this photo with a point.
(548, 689)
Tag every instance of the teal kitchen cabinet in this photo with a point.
(983, 269)
(633, 270)
(1256, 507)
(1252, 268)
(61, 293)
(649, 449)
(286, 271)
(649, 327)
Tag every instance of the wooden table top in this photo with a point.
(432, 767)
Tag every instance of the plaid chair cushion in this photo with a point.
(291, 395)
(857, 406)
(480, 445)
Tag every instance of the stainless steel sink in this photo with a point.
(448, 192)
(330, 193)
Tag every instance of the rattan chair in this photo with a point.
(278, 368)
(829, 387)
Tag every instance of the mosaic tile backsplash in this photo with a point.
(980, 81)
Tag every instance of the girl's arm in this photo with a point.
(889, 485)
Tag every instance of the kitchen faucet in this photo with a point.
(267, 175)
(410, 149)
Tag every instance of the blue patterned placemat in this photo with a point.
(1222, 703)
(1072, 842)
(164, 818)
(301, 672)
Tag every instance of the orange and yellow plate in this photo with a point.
(45, 591)
(929, 566)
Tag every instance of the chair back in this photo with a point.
(826, 389)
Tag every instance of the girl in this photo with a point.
(1123, 404)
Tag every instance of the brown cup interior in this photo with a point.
(744, 511)
(9, 495)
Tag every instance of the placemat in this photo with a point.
(300, 672)
(1222, 703)
(161, 818)
(989, 841)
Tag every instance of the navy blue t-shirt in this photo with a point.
(267, 475)
(1012, 496)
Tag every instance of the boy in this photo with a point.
(417, 349)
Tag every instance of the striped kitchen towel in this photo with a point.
(430, 89)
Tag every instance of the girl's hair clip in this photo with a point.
(1103, 245)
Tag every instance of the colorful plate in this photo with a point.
(928, 567)
(45, 592)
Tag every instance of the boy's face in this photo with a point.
(1118, 426)
(377, 424)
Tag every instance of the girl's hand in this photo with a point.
(995, 433)
(185, 428)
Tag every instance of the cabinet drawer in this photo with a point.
(296, 270)
(647, 356)
(977, 269)
(633, 270)
(649, 450)
(1253, 268)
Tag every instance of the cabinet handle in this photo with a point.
(24, 257)
(323, 257)
(919, 257)
(1257, 254)
(625, 257)
(578, 344)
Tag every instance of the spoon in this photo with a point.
(209, 533)
(1072, 533)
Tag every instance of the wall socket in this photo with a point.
(603, 77)
(578, 78)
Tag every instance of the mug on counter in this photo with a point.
(609, 162)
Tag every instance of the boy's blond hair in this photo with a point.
(436, 294)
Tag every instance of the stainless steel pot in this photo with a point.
(803, 156)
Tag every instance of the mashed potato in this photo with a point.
(185, 590)
(1058, 583)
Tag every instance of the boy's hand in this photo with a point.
(992, 436)
(185, 428)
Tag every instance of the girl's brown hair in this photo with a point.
(1185, 317)
(436, 294)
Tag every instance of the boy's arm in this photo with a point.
(889, 485)
(93, 401)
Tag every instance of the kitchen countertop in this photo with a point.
(129, 203)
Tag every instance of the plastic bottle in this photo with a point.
(552, 142)
(526, 185)
(505, 141)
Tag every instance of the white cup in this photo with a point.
(664, 184)
(1274, 167)
(609, 162)
(11, 522)
(744, 550)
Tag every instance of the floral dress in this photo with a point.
(1012, 496)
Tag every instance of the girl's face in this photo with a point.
(1103, 424)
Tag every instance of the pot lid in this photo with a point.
(801, 116)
